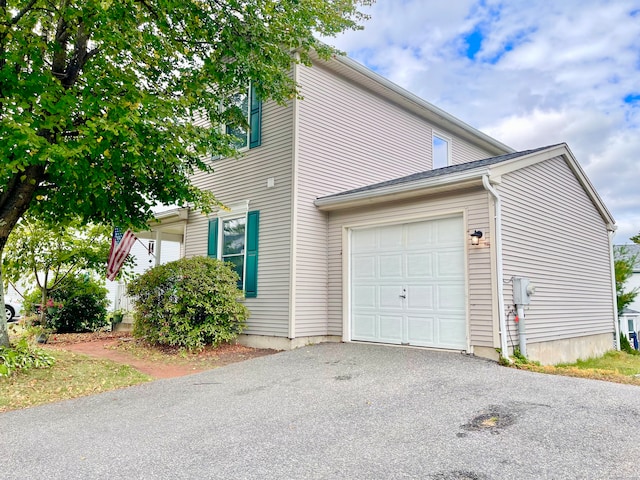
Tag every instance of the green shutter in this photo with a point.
(251, 265)
(255, 120)
(212, 247)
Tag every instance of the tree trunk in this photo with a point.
(14, 202)
(4, 332)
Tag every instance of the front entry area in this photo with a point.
(408, 284)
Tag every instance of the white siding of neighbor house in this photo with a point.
(634, 284)
(238, 180)
(349, 137)
(553, 234)
(474, 204)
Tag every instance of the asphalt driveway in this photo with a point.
(336, 411)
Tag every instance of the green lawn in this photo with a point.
(613, 366)
(72, 376)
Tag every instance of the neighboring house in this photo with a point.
(632, 250)
(162, 246)
(342, 230)
(630, 317)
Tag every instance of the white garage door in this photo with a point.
(407, 284)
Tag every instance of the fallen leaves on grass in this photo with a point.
(72, 376)
(594, 374)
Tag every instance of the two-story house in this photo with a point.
(363, 213)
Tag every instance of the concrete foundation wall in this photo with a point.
(283, 343)
(570, 349)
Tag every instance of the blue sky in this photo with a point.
(529, 73)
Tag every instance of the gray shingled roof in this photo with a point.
(438, 172)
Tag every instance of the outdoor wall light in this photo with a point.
(475, 237)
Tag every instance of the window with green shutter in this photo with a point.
(235, 240)
(251, 107)
(251, 261)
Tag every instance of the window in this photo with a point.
(441, 150)
(251, 108)
(234, 238)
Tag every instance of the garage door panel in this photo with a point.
(391, 328)
(390, 237)
(448, 231)
(390, 296)
(364, 296)
(419, 234)
(421, 330)
(451, 330)
(450, 264)
(420, 297)
(362, 240)
(364, 267)
(364, 327)
(451, 297)
(419, 265)
(390, 266)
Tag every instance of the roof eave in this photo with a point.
(432, 185)
(560, 150)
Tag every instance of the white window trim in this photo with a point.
(445, 138)
(233, 211)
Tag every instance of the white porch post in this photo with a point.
(158, 246)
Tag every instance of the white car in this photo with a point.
(12, 309)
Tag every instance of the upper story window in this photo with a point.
(441, 150)
(251, 108)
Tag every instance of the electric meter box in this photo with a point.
(522, 291)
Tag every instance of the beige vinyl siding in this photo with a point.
(348, 137)
(474, 204)
(464, 152)
(553, 234)
(238, 180)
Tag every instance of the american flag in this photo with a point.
(121, 244)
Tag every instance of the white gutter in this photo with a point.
(616, 321)
(499, 267)
(396, 188)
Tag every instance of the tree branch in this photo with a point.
(22, 12)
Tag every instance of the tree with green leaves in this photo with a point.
(624, 263)
(102, 101)
(46, 256)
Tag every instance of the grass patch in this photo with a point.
(613, 366)
(72, 376)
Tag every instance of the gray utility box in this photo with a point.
(522, 290)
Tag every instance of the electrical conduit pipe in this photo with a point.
(498, 243)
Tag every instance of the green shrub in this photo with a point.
(23, 356)
(625, 345)
(84, 306)
(188, 303)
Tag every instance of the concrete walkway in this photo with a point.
(336, 411)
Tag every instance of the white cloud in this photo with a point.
(546, 72)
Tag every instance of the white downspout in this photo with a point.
(294, 205)
(616, 321)
(498, 242)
